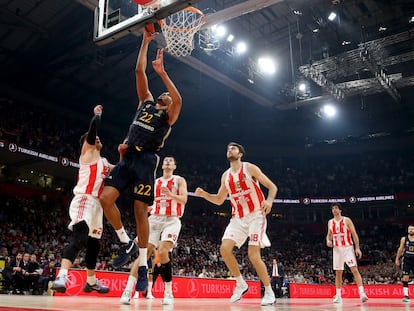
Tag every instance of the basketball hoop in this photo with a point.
(179, 29)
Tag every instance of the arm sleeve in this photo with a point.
(93, 130)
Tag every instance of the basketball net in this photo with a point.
(179, 29)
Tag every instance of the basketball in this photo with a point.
(154, 27)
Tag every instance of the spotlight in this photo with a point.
(302, 87)
(266, 65)
(329, 111)
(230, 38)
(332, 16)
(241, 47)
(219, 31)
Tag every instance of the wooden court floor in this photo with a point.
(82, 303)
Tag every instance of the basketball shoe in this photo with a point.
(59, 285)
(97, 287)
(239, 291)
(125, 251)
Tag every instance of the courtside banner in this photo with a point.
(183, 287)
(348, 291)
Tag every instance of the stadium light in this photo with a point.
(332, 16)
(241, 47)
(219, 31)
(266, 65)
(329, 111)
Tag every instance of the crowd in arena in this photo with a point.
(37, 225)
(38, 228)
(363, 174)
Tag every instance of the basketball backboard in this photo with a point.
(117, 18)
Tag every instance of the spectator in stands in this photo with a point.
(276, 277)
(203, 274)
(33, 274)
(50, 257)
(16, 273)
(48, 274)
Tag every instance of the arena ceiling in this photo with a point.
(363, 62)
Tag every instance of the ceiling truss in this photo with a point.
(371, 56)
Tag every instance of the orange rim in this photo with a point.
(190, 8)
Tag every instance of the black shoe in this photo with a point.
(97, 287)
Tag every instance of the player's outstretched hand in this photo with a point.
(98, 110)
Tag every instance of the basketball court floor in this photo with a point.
(82, 303)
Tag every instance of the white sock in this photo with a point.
(405, 291)
(132, 280)
(239, 279)
(268, 290)
(122, 235)
(338, 292)
(143, 257)
(63, 272)
(149, 286)
(361, 290)
(168, 287)
(91, 280)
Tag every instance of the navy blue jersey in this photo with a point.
(149, 129)
(408, 248)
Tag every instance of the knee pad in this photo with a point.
(78, 241)
(166, 271)
(92, 251)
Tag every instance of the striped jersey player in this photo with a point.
(85, 210)
(241, 183)
(343, 238)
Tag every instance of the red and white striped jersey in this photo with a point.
(244, 192)
(91, 177)
(164, 205)
(341, 235)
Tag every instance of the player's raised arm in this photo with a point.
(176, 101)
(143, 91)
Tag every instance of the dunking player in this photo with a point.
(170, 198)
(85, 210)
(249, 209)
(406, 250)
(340, 230)
(136, 170)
